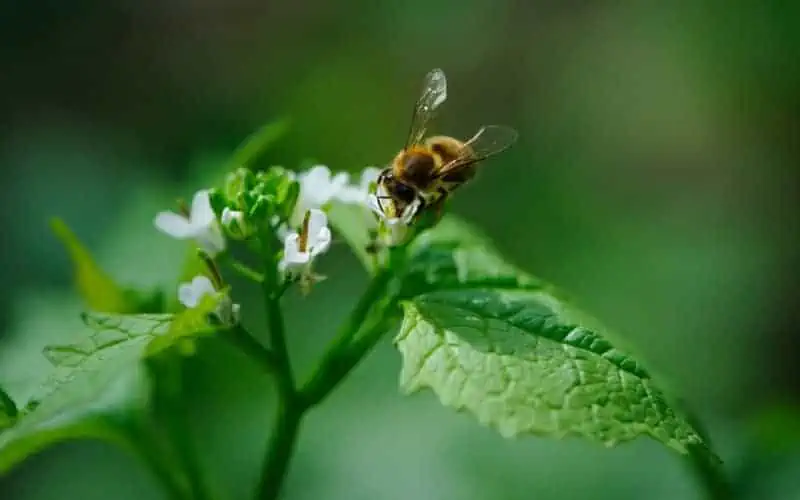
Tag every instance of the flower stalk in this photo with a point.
(266, 210)
(289, 413)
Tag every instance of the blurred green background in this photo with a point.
(655, 180)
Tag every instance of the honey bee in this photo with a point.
(428, 169)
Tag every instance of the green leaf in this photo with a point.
(98, 290)
(454, 255)
(100, 386)
(524, 362)
(189, 324)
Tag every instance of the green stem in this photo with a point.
(246, 271)
(358, 335)
(289, 413)
(280, 448)
(176, 422)
(339, 359)
(709, 473)
(146, 446)
(239, 337)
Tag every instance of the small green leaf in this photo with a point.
(523, 362)
(254, 146)
(99, 386)
(189, 324)
(98, 290)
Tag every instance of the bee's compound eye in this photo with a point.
(403, 192)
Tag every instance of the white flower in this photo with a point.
(190, 295)
(317, 188)
(360, 194)
(300, 249)
(392, 229)
(201, 225)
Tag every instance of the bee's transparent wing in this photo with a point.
(434, 93)
(488, 141)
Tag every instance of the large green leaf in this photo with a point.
(100, 385)
(454, 255)
(523, 362)
(493, 340)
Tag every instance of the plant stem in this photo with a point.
(249, 345)
(280, 448)
(246, 271)
(337, 362)
(367, 319)
(287, 422)
(143, 444)
(709, 473)
(176, 423)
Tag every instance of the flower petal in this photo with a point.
(186, 295)
(319, 236)
(315, 181)
(322, 242)
(203, 286)
(174, 225)
(291, 251)
(211, 240)
(202, 214)
(368, 176)
(189, 294)
(316, 221)
(339, 182)
(359, 194)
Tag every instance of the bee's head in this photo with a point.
(394, 193)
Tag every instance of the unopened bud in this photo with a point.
(235, 224)
(239, 181)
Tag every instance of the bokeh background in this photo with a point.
(655, 180)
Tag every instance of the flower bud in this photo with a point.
(235, 224)
(217, 200)
(239, 181)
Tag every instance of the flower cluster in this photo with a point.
(292, 206)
